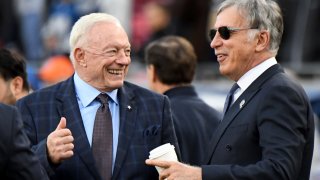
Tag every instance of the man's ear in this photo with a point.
(263, 41)
(79, 57)
(16, 86)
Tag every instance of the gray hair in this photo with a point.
(260, 14)
(81, 27)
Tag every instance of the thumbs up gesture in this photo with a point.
(60, 143)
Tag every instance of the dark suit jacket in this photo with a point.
(145, 126)
(194, 122)
(17, 161)
(267, 133)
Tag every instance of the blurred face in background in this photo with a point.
(103, 60)
(6, 95)
(157, 17)
(236, 54)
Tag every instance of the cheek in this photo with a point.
(98, 67)
(1, 95)
(233, 64)
(5, 94)
(236, 59)
(240, 62)
(233, 59)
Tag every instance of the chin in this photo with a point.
(222, 70)
(117, 84)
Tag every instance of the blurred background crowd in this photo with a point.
(39, 31)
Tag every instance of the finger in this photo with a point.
(63, 148)
(62, 132)
(62, 124)
(59, 137)
(164, 174)
(66, 155)
(68, 147)
(57, 153)
(66, 139)
(163, 164)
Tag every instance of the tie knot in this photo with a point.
(103, 98)
(234, 88)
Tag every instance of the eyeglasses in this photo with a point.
(225, 32)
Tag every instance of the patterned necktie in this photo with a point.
(229, 98)
(102, 138)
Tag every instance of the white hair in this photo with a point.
(81, 27)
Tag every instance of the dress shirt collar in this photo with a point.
(248, 78)
(86, 93)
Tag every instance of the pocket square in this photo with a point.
(151, 130)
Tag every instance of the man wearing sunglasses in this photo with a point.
(267, 131)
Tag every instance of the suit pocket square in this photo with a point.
(151, 131)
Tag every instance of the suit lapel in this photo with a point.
(68, 108)
(238, 105)
(128, 114)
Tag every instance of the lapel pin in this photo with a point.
(129, 107)
(242, 103)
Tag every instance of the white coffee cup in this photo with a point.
(164, 152)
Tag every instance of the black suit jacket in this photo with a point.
(194, 121)
(267, 133)
(146, 125)
(17, 161)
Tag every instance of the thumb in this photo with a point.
(62, 124)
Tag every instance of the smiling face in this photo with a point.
(102, 59)
(235, 55)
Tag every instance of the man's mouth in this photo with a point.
(115, 71)
(221, 57)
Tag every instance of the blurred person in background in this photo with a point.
(171, 64)
(55, 69)
(30, 15)
(62, 14)
(17, 160)
(140, 30)
(121, 9)
(268, 130)
(13, 77)
(189, 20)
(9, 25)
(62, 121)
(158, 17)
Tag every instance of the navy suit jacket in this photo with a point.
(17, 161)
(194, 122)
(267, 133)
(145, 126)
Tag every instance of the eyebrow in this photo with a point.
(116, 45)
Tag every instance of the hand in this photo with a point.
(60, 143)
(176, 170)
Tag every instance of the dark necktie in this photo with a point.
(229, 98)
(102, 138)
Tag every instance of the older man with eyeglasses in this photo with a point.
(268, 128)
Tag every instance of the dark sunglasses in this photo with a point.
(225, 32)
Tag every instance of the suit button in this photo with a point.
(228, 147)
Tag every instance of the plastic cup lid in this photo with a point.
(161, 150)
